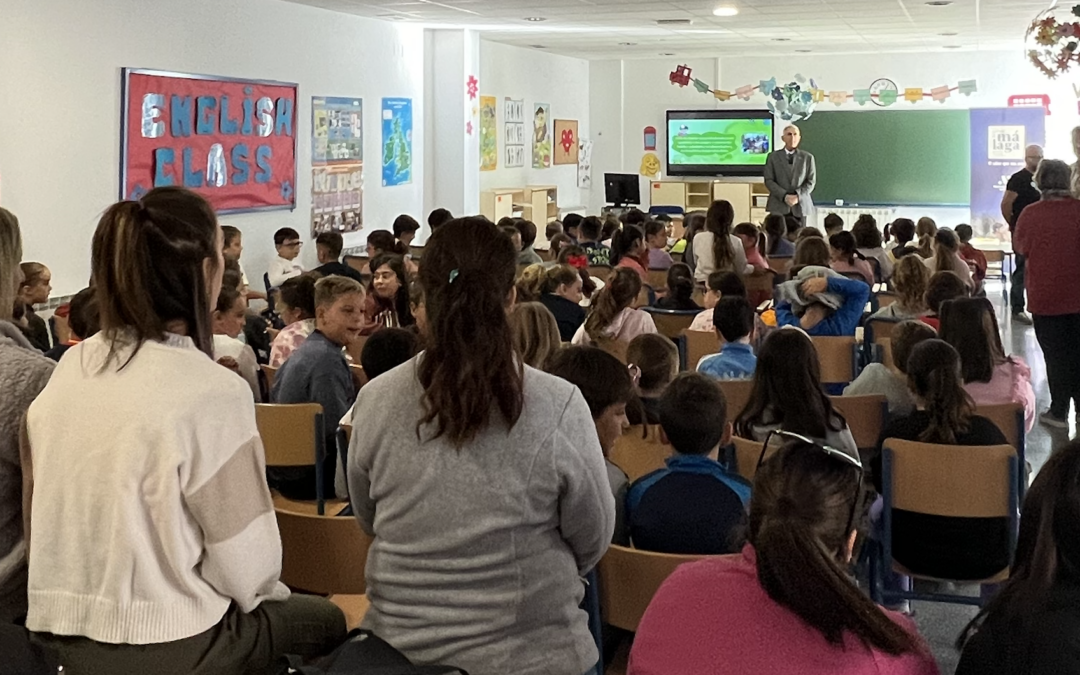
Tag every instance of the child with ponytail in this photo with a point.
(787, 603)
(613, 315)
(950, 548)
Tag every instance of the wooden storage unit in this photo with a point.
(698, 195)
(540, 204)
(668, 193)
(499, 203)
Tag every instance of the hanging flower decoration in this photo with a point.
(791, 101)
(1052, 41)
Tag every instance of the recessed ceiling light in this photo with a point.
(948, 34)
(804, 51)
(952, 46)
(781, 39)
(538, 46)
(939, 3)
(627, 44)
(535, 18)
(725, 11)
(667, 53)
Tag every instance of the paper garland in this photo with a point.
(1052, 40)
(683, 76)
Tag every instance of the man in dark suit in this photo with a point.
(790, 175)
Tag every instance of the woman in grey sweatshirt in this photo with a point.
(482, 482)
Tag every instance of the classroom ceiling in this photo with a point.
(605, 29)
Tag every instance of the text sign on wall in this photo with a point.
(232, 141)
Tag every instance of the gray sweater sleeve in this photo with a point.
(586, 502)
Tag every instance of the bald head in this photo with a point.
(792, 136)
(1033, 154)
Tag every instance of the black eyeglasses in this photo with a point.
(847, 458)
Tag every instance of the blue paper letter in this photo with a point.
(284, 116)
(163, 159)
(180, 114)
(229, 127)
(204, 121)
(240, 164)
(262, 160)
(249, 115)
(192, 176)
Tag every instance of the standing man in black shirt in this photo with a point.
(1020, 192)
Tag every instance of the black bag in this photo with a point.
(364, 653)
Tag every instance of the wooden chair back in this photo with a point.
(269, 372)
(699, 344)
(737, 395)
(290, 432)
(950, 480)
(1009, 417)
(747, 454)
(880, 329)
(837, 358)
(601, 272)
(638, 456)
(672, 323)
(759, 286)
(616, 348)
(323, 555)
(885, 345)
(886, 298)
(865, 417)
(629, 578)
(657, 278)
(780, 265)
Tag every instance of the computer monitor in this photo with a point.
(621, 189)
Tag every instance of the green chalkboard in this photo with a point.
(901, 157)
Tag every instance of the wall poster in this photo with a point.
(566, 142)
(489, 135)
(514, 138)
(541, 139)
(337, 164)
(233, 141)
(396, 141)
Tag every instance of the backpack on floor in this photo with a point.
(364, 653)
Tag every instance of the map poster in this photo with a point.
(514, 139)
(541, 136)
(337, 164)
(397, 149)
(489, 135)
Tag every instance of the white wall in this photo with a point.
(60, 66)
(537, 77)
(643, 93)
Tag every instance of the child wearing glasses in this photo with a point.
(284, 266)
(787, 603)
(608, 386)
(692, 506)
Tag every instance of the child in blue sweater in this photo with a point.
(818, 318)
(733, 318)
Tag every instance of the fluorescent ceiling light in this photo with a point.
(725, 11)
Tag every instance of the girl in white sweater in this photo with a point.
(153, 542)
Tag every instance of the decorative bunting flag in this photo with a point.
(939, 94)
(838, 97)
(722, 95)
(887, 96)
(967, 87)
(861, 96)
(767, 85)
(913, 95)
(818, 95)
(744, 92)
(701, 86)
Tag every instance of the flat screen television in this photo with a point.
(622, 189)
(718, 142)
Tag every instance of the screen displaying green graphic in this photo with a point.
(719, 142)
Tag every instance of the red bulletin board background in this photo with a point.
(240, 148)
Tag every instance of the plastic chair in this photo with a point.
(875, 333)
(323, 555)
(865, 415)
(838, 356)
(950, 481)
(1009, 417)
(639, 451)
(759, 286)
(672, 322)
(699, 344)
(628, 580)
(601, 272)
(995, 265)
(292, 435)
(657, 278)
(616, 348)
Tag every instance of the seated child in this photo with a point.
(833, 225)
(751, 239)
(972, 256)
(655, 360)
(680, 289)
(296, 305)
(821, 302)
(317, 372)
(891, 381)
(942, 287)
(734, 321)
(693, 506)
(284, 266)
(227, 322)
(719, 285)
(656, 240)
(607, 387)
(83, 321)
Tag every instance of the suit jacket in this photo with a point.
(783, 179)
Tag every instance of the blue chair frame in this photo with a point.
(881, 557)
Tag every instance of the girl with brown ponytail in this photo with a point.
(613, 315)
(951, 548)
(478, 477)
(787, 604)
(716, 249)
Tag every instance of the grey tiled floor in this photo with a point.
(939, 623)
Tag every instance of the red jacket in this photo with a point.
(1048, 236)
